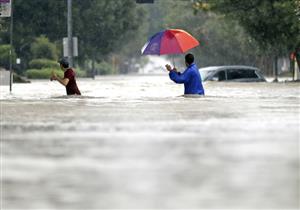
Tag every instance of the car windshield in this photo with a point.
(205, 74)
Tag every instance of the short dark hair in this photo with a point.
(64, 63)
(189, 58)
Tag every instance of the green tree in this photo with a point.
(127, 57)
(4, 56)
(33, 19)
(273, 24)
(43, 48)
(103, 26)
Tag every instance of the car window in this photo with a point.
(241, 74)
(219, 76)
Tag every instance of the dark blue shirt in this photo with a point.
(191, 79)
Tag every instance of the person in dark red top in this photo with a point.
(69, 80)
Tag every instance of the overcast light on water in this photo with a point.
(134, 142)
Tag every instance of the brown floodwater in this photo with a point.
(133, 142)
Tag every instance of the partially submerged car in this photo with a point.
(232, 73)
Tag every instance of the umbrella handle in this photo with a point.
(173, 60)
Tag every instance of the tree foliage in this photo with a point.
(4, 56)
(113, 31)
(101, 26)
(42, 63)
(42, 48)
(273, 24)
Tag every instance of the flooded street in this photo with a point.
(132, 142)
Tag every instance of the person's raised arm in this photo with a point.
(176, 77)
(63, 81)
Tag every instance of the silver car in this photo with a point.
(232, 73)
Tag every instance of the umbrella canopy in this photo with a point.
(171, 41)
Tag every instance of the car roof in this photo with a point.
(216, 68)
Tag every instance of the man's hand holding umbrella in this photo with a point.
(169, 68)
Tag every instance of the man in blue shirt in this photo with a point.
(190, 77)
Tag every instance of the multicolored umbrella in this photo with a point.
(171, 41)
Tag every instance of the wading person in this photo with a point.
(190, 77)
(69, 80)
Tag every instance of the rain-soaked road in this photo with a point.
(133, 142)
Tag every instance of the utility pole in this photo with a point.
(11, 77)
(70, 39)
